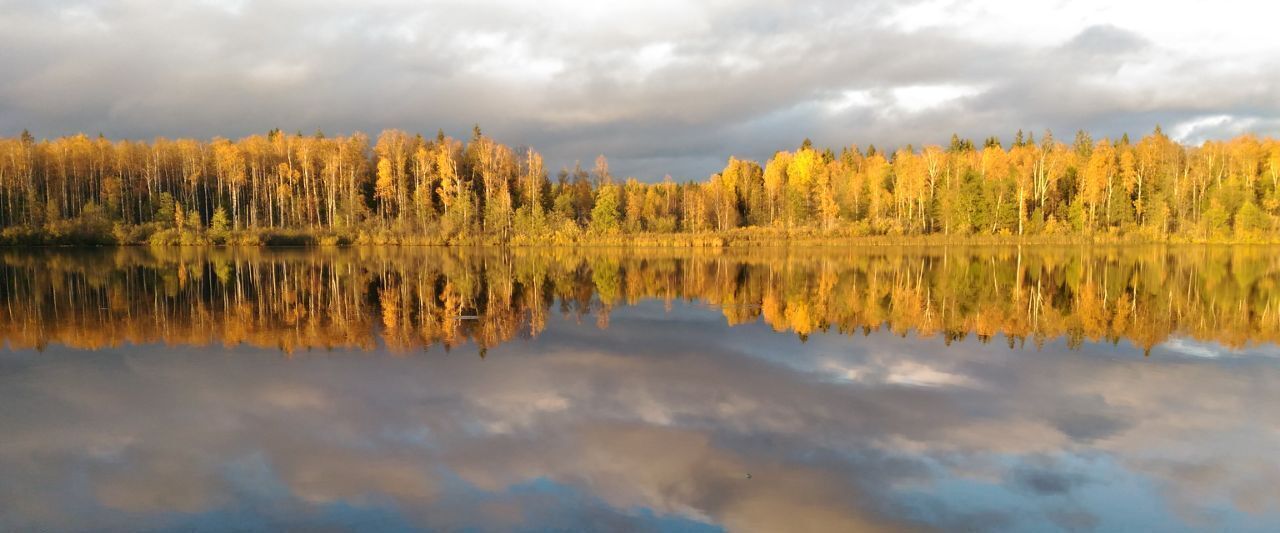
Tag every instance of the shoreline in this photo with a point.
(741, 239)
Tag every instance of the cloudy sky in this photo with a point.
(660, 86)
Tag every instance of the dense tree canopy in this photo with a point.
(407, 188)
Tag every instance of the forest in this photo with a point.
(402, 188)
(408, 299)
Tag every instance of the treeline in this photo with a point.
(410, 189)
(408, 299)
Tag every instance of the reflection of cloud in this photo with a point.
(913, 373)
(651, 416)
(675, 471)
(1087, 427)
(1193, 349)
(1073, 519)
(891, 372)
(157, 484)
(1207, 350)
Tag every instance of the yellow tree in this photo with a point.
(802, 173)
(1045, 168)
(995, 162)
(533, 180)
(230, 166)
(384, 188)
(877, 172)
(422, 184)
(1273, 170)
(727, 199)
(283, 179)
(1150, 155)
(935, 164)
(825, 200)
(453, 191)
(1130, 177)
(601, 171)
(715, 194)
(910, 185)
(394, 147)
(1098, 176)
(1246, 155)
(257, 153)
(1024, 159)
(775, 180)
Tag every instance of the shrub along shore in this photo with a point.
(741, 237)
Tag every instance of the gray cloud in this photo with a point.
(1105, 42)
(1040, 477)
(659, 87)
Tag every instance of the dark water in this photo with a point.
(1130, 389)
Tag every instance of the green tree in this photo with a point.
(1251, 220)
(605, 216)
(165, 209)
(219, 226)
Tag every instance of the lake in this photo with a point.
(826, 389)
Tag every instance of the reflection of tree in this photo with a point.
(409, 298)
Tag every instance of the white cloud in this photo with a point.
(852, 99)
(917, 98)
(1192, 131)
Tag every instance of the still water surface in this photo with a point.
(1033, 389)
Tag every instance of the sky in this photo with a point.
(658, 86)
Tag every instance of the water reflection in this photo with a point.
(410, 298)
(180, 420)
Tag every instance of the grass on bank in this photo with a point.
(98, 233)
